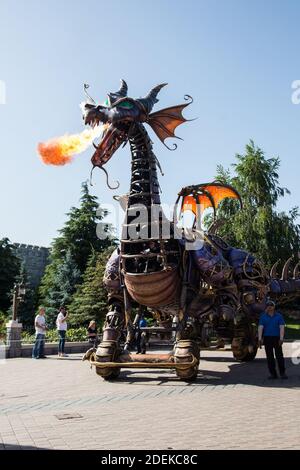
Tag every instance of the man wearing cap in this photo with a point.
(271, 334)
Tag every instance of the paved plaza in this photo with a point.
(62, 404)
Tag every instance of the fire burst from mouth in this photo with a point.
(60, 150)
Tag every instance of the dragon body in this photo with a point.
(194, 283)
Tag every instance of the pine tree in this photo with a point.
(64, 285)
(79, 237)
(259, 227)
(9, 269)
(90, 299)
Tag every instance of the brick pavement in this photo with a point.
(231, 405)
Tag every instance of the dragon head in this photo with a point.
(120, 113)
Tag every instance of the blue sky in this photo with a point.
(237, 59)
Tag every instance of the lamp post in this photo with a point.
(13, 327)
(18, 296)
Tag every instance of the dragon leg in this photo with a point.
(186, 348)
(244, 343)
(109, 349)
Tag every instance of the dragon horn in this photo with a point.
(150, 99)
(285, 269)
(121, 93)
(123, 89)
(273, 272)
(296, 271)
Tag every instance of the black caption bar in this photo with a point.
(131, 459)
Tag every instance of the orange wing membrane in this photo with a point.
(189, 204)
(206, 195)
(220, 191)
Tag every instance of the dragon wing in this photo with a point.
(207, 195)
(190, 202)
(220, 191)
(165, 121)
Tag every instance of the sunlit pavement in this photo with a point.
(62, 404)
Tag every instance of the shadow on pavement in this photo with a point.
(14, 447)
(246, 373)
(72, 357)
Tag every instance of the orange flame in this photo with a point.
(60, 150)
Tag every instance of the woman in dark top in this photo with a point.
(92, 334)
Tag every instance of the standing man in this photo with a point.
(40, 331)
(141, 336)
(271, 334)
(61, 324)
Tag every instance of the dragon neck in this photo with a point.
(144, 186)
(143, 248)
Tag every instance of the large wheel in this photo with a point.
(184, 352)
(250, 356)
(108, 351)
(244, 349)
(245, 342)
(111, 373)
(243, 352)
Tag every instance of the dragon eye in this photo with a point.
(126, 104)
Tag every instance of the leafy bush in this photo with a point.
(77, 334)
(292, 330)
(3, 320)
(73, 335)
(27, 338)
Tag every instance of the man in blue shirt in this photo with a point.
(141, 336)
(271, 333)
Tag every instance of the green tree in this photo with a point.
(79, 237)
(259, 227)
(9, 269)
(3, 320)
(48, 280)
(64, 285)
(90, 299)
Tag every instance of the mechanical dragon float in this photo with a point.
(192, 282)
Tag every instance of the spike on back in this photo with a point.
(285, 270)
(296, 271)
(273, 272)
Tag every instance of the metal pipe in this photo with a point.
(144, 365)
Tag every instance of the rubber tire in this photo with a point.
(247, 357)
(192, 378)
(194, 349)
(112, 375)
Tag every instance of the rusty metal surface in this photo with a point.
(153, 289)
(132, 357)
(165, 362)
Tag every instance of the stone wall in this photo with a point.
(50, 349)
(35, 259)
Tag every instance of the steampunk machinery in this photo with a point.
(192, 281)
